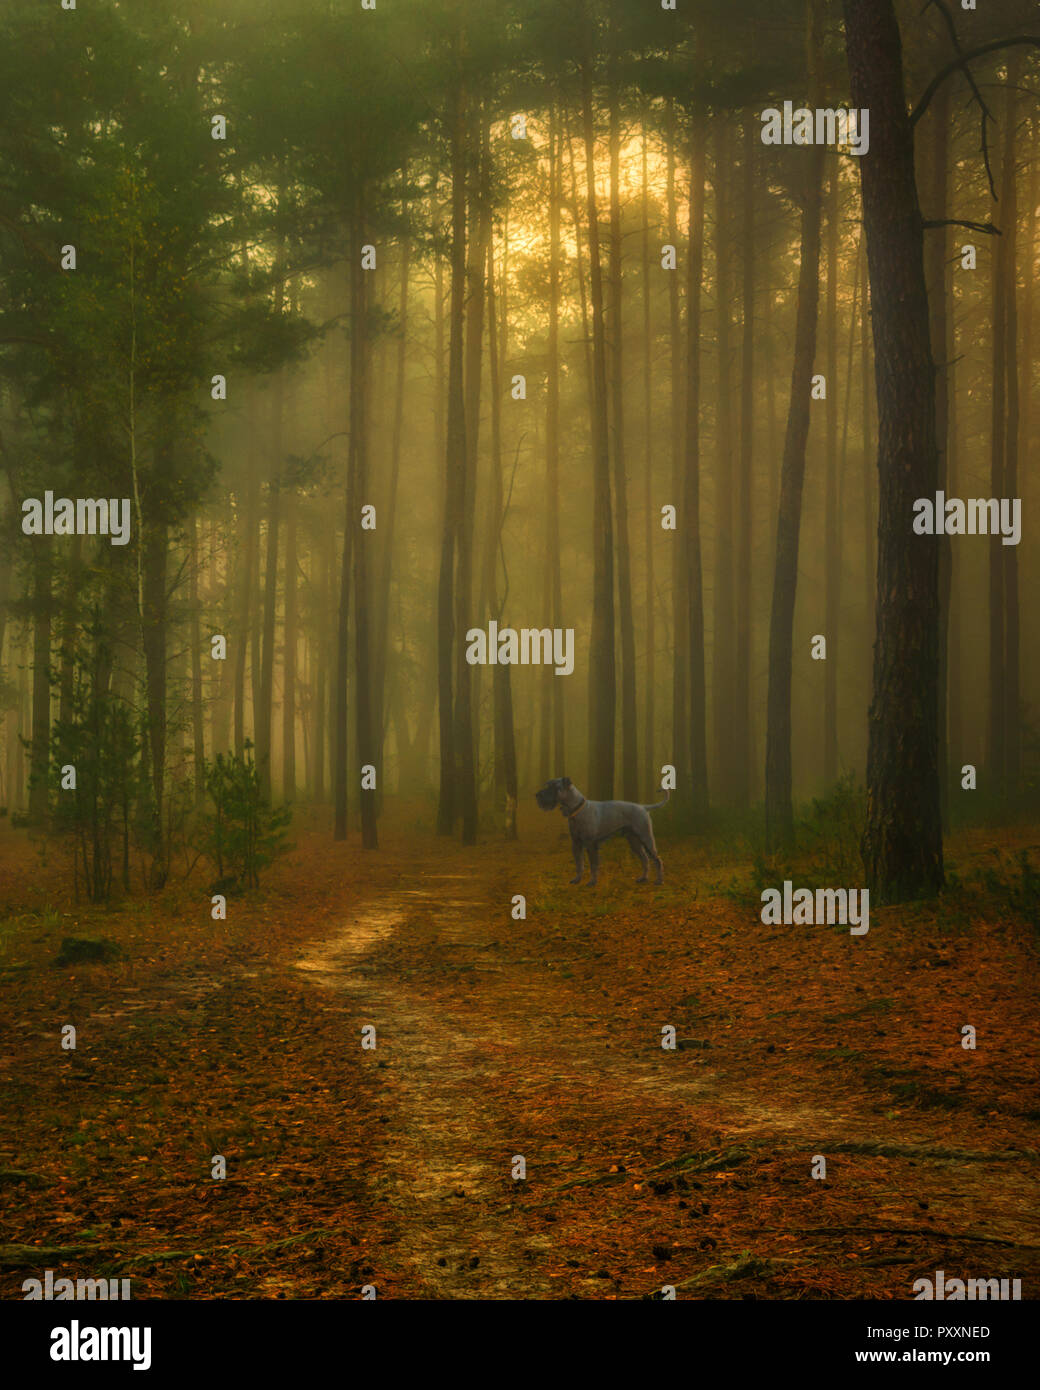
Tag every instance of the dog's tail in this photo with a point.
(667, 797)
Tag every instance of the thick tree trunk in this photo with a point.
(357, 489)
(869, 470)
(1009, 553)
(681, 655)
(740, 732)
(198, 737)
(693, 581)
(502, 693)
(832, 516)
(553, 753)
(449, 803)
(615, 337)
(902, 844)
(264, 713)
(465, 682)
(73, 580)
(722, 661)
(388, 522)
(155, 547)
(40, 754)
(290, 606)
(602, 671)
(779, 802)
(650, 528)
(936, 251)
(247, 552)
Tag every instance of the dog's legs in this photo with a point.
(593, 852)
(637, 849)
(651, 850)
(579, 860)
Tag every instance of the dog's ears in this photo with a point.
(566, 782)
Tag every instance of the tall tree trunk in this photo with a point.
(465, 682)
(681, 655)
(869, 471)
(289, 653)
(902, 844)
(263, 717)
(248, 554)
(779, 803)
(340, 729)
(388, 527)
(693, 584)
(648, 486)
(1009, 553)
(936, 249)
(601, 642)
(502, 693)
(552, 687)
(40, 754)
(740, 727)
(998, 488)
(357, 488)
(629, 751)
(322, 561)
(722, 686)
(832, 515)
(264, 714)
(198, 737)
(155, 548)
(579, 275)
(1028, 414)
(449, 802)
(73, 581)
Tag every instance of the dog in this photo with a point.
(594, 821)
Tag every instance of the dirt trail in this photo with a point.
(436, 1064)
(449, 1147)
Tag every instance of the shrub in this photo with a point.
(243, 831)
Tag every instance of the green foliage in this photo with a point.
(243, 832)
(831, 831)
(1021, 892)
(100, 738)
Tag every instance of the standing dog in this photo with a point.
(593, 821)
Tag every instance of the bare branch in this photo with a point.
(986, 114)
(1016, 41)
(987, 228)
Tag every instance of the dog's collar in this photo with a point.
(572, 814)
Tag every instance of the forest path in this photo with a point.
(465, 1074)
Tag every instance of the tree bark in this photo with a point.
(902, 844)
(615, 337)
(681, 655)
(357, 489)
(553, 753)
(779, 802)
(1009, 553)
(936, 251)
(455, 462)
(650, 528)
(693, 580)
(602, 670)
(741, 710)
(722, 661)
(832, 516)
(40, 751)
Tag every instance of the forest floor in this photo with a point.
(497, 1039)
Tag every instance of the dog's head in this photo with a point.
(552, 794)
